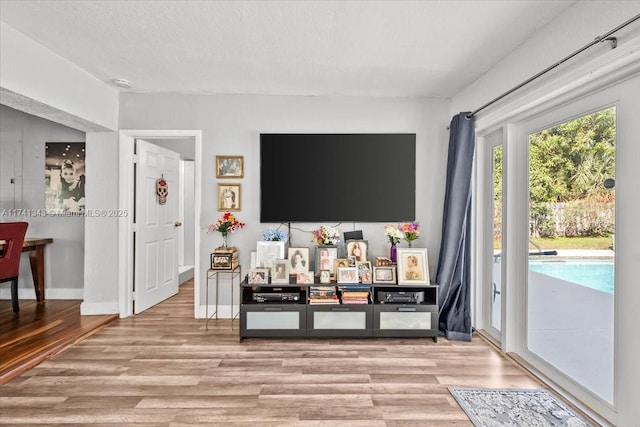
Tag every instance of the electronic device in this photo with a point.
(352, 235)
(275, 296)
(413, 297)
(337, 177)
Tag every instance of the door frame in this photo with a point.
(483, 207)
(126, 143)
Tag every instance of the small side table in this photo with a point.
(232, 274)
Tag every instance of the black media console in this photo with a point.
(287, 311)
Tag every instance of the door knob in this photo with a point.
(177, 223)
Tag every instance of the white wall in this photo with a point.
(34, 78)
(22, 143)
(188, 205)
(232, 125)
(101, 228)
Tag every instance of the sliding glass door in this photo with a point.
(571, 234)
(489, 213)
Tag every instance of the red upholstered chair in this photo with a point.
(12, 233)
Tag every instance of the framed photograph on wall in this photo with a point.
(267, 253)
(385, 274)
(413, 266)
(357, 249)
(229, 166)
(229, 197)
(64, 177)
(280, 272)
(298, 260)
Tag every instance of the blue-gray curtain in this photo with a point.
(454, 263)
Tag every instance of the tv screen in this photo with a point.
(337, 177)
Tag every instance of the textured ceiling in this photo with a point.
(359, 48)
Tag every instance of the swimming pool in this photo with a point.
(593, 274)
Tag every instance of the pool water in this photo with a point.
(593, 274)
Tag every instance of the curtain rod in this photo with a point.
(599, 39)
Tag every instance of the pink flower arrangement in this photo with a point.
(411, 231)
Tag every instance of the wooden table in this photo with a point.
(35, 247)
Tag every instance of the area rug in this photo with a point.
(515, 407)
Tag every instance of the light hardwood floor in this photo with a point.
(161, 368)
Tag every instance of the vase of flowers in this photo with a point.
(394, 235)
(274, 236)
(411, 231)
(326, 236)
(226, 224)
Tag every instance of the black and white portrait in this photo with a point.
(229, 166)
(228, 197)
(64, 177)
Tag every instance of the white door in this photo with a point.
(156, 226)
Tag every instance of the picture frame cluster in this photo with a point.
(229, 195)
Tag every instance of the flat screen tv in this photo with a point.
(337, 177)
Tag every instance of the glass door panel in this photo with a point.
(570, 287)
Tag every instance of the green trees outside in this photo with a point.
(568, 164)
(570, 161)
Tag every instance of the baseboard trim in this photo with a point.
(99, 308)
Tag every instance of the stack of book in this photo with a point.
(355, 294)
(323, 295)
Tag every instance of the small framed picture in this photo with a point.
(413, 266)
(357, 249)
(258, 276)
(298, 260)
(280, 272)
(229, 197)
(337, 263)
(386, 274)
(325, 255)
(229, 166)
(268, 252)
(364, 269)
(347, 275)
(325, 276)
(304, 278)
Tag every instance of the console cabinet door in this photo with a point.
(273, 320)
(339, 320)
(405, 320)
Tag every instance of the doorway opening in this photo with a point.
(170, 138)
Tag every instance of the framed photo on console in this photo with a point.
(386, 274)
(364, 271)
(325, 255)
(268, 252)
(357, 249)
(258, 276)
(280, 272)
(305, 278)
(229, 166)
(298, 260)
(413, 266)
(337, 263)
(325, 276)
(347, 275)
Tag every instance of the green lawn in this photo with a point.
(572, 243)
